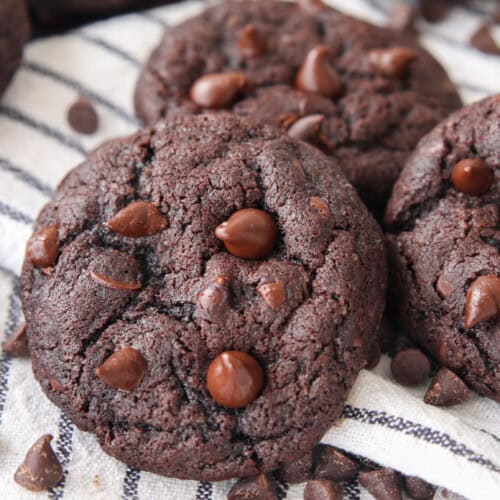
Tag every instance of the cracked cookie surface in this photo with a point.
(444, 245)
(307, 312)
(370, 125)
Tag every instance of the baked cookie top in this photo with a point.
(202, 295)
(373, 92)
(444, 221)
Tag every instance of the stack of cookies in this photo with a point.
(202, 295)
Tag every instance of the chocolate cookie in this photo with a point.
(444, 223)
(202, 295)
(14, 33)
(364, 95)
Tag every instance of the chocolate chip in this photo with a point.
(287, 120)
(306, 129)
(410, 367)
(394, 61)
(402, 18)
(333, 465)
(124, 369)
(483, 300)
(116, 270)
(137, 219)
(434, 10)
(234, 379)
(311, 6)
(251, 42)
(82, 117)
(472, 176)
(446, 389)
(43, 247)
(274, 294)
(383, 484)
(249, 233)
(482, 40)
(17, 343)
(260, 487)
(418, 489)
(317, 75)
(322, 490)
(41, 469)
(297, 471)
(218, 90)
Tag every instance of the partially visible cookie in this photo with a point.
(202, 295)
(444, 239)
(373, 92)
(14, 33)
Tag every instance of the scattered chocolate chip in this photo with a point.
(234, 379)
(332, 464)
(124, 369)
(410, 367)
(317, 75)
(383, 484)
(402, 18)
(483, 300)
(41, 469)
(434, 10)
(43, 247)
(274, 294)
(261, 487)
(472, 176)
(444, 287)
(446, 389)
(82, 117)
(214, 297)
(17, 344)
(374, 356)
(307, 128)
(311, 6)
(418, 489)
(139, 218)
(297, 471)
(320, 205)
(218, 90)
(482, 40)
(322, 490)
(394, 61)
(251, 42)
(249, 233)
(116, 270)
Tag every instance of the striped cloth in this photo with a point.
(458, 448)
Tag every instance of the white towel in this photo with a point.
(456, 448)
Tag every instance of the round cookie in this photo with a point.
(127, 268)
(14, 33)
(444, 240)
(377, 91)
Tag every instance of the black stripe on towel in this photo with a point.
(63, 449)
(26, 177)
(154, 19)
(204, 491)
(108, 47)
(14, 214)
(131, 484)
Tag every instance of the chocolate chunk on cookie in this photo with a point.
(216, 286)
(364, 95)
(444, 240)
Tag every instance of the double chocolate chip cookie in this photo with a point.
(14, 33)
(364, 95)
(444, 222)
(202, 296)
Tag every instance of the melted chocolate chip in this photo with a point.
(116, 270)
(17, 343)
(322, 490)
(410, 367)
(306, 129)
(394, 62)
(418, 489)
(139, 218)
(320, 205)
(261, 487)
(274, 294)
(297, 471)
(251, 42)
(110, 282)
(124, 369)
(82, 117)
(472, 176)
(234, 379)
(383, 484)
(249, 233)
(41, 469)
(43, 247)
(483, 301)
(218, 90)
(215, 297)
(446, 389)
(333, 465)
(317, 75)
